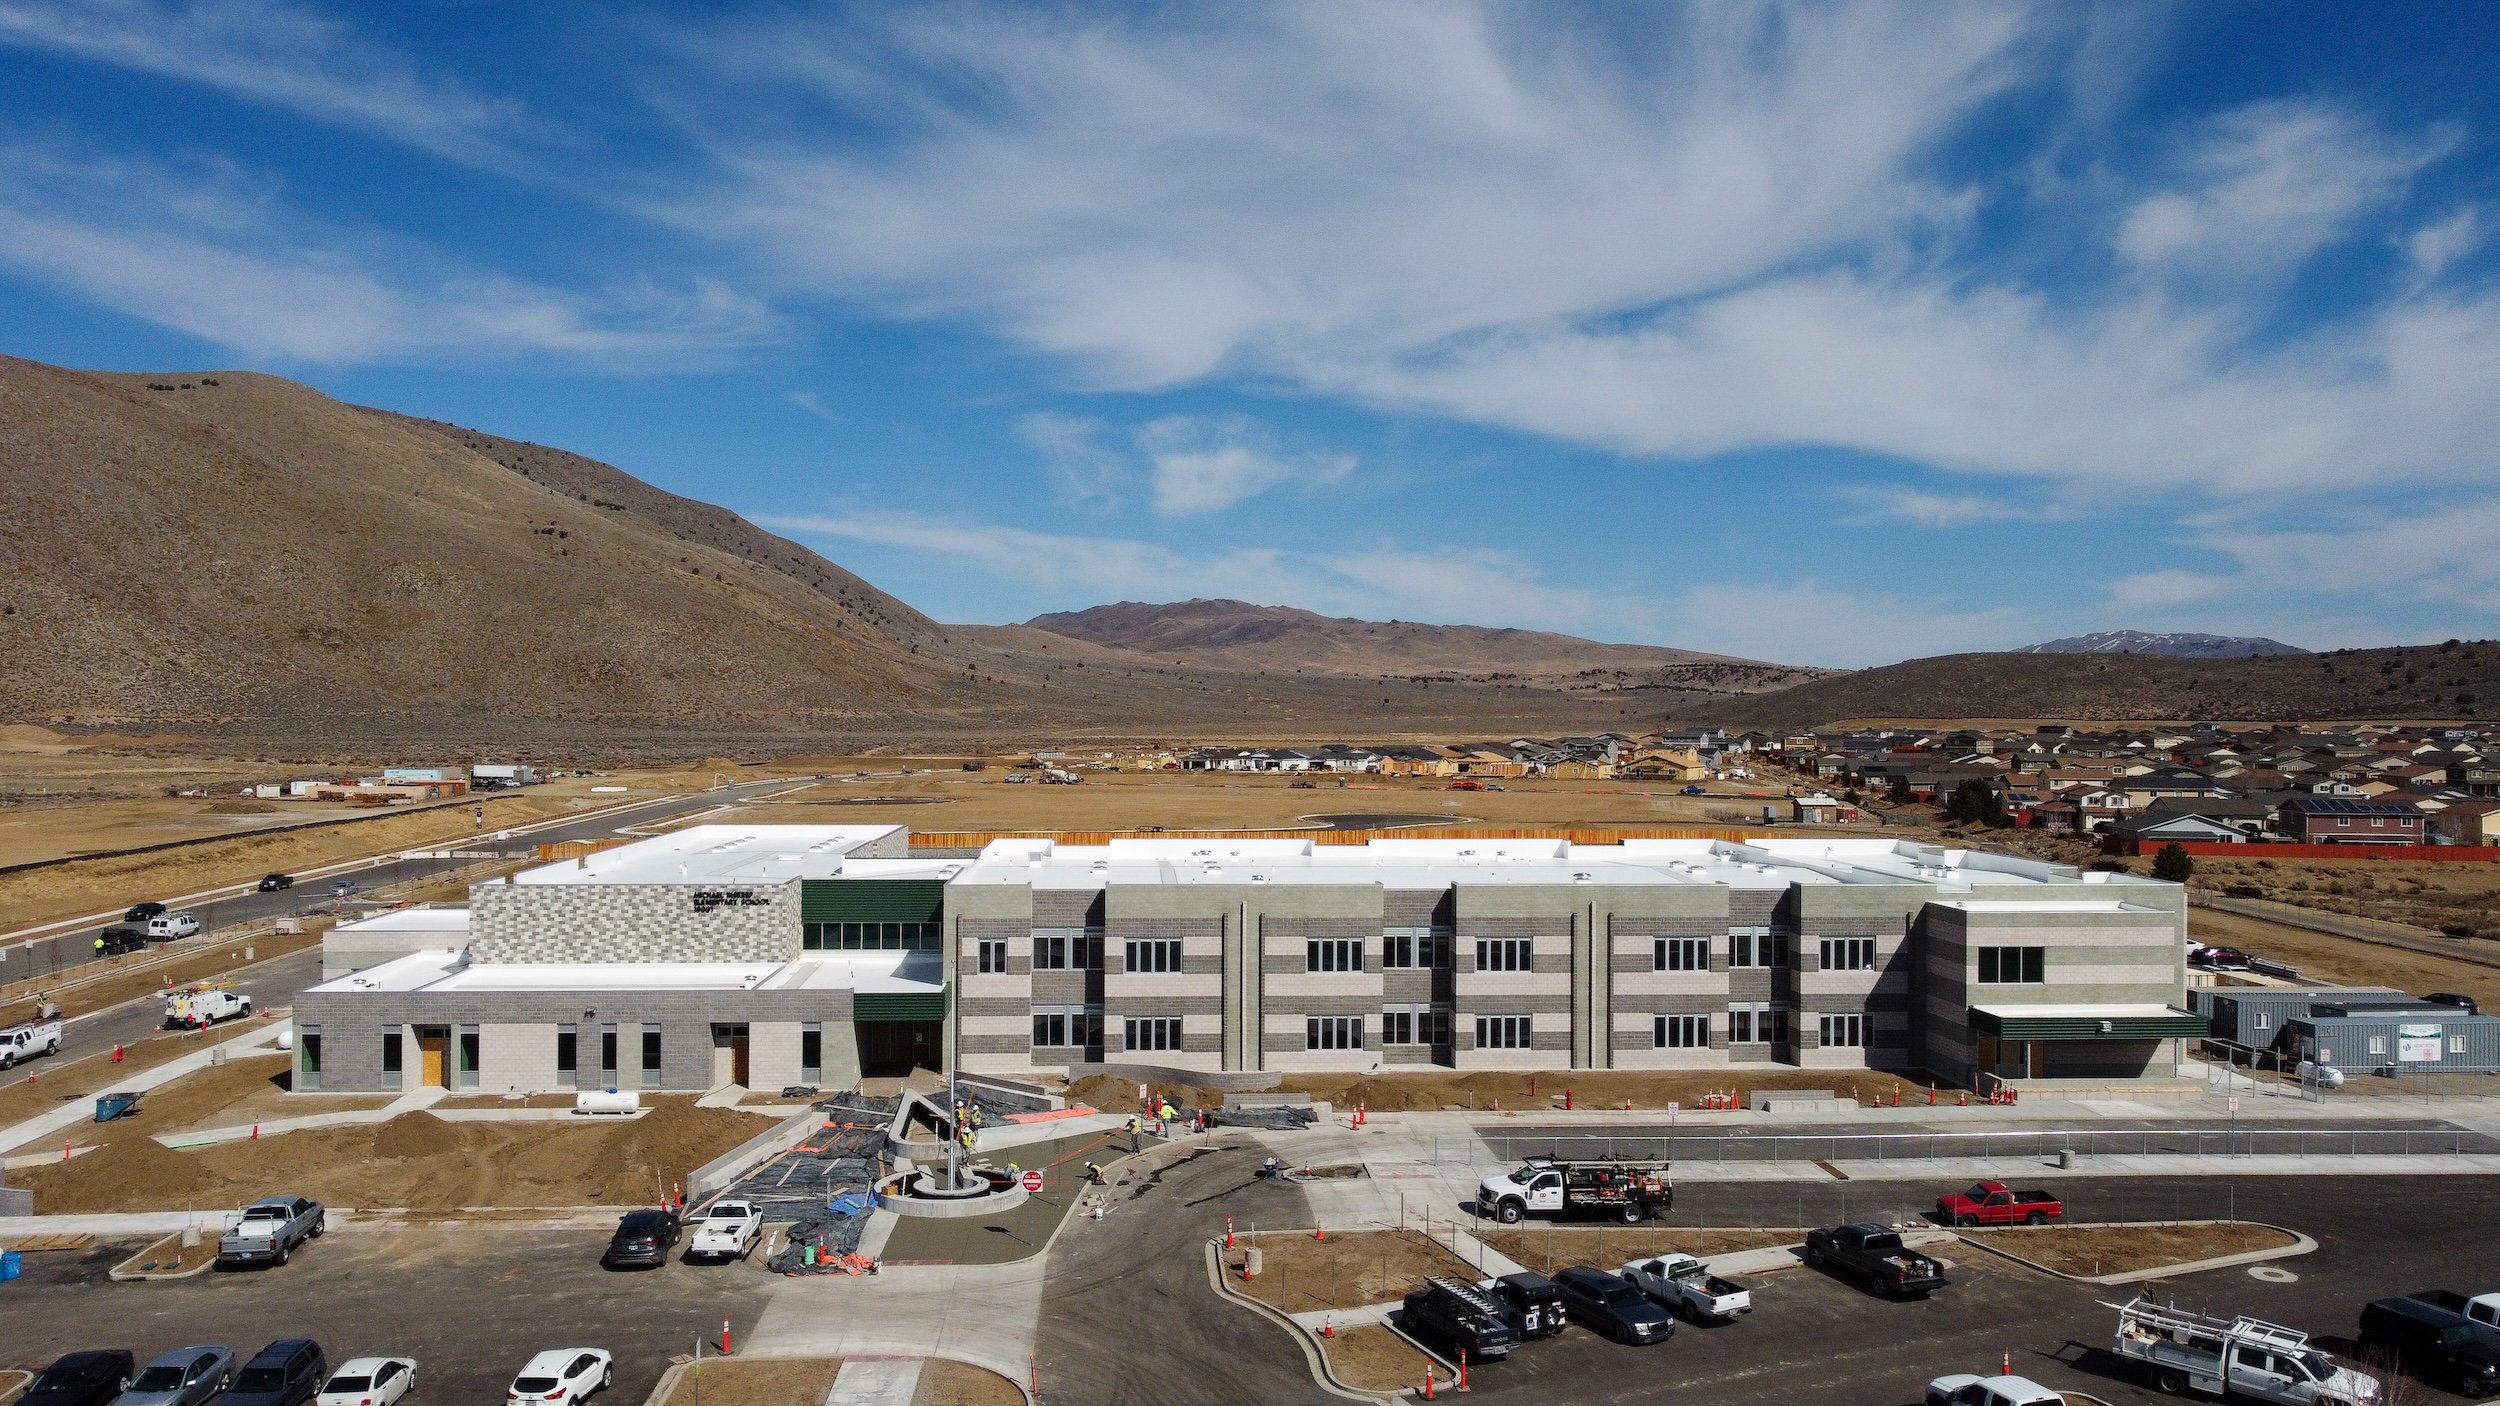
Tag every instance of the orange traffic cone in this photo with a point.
(256, 1130)
(1320, 1233)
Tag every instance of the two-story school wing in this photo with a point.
(774, 955)
(1541, 954)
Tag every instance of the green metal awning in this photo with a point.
(889, 1005)
(872, 900)
(2088, 1023)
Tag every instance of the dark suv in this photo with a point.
(119, 940)
(643, 1238)
(288, 1372)
(1461, 1316)
(1612, 1305)
(2430, 1342)
(1531, 1303)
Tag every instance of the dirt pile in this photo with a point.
(416, 1160)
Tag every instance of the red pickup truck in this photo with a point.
(1995, 1203)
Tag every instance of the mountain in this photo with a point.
(2173, 646)
(1237, 635)
(236, 555)
(2451, 680)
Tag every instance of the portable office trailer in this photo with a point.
(2365, 1039)
(2255, 1015)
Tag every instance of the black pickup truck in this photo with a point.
(1461, 1317)
(1877, 1256)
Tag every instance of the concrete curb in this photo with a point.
(13, 1384)
(667, 1385)
(123, 1273)
(1312, 1354)
(2301, 1245)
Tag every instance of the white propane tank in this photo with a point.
(286, 1038)
(607, 1101)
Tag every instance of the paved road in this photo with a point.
(2202, 1133)
(270, 984)
(67, 951)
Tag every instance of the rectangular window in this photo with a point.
(2012, 966)
(308, 1060)
(390, 1052)
(993, 955)
(1682, 954)
(1332, 954)
(1680, 1032)
(1414, 948)
(607, 1056)
(2378, 1044)
(2265, 1020)
(1843, 1031)
(1050, 1030)
(1757, 1024)
(1503, 1032)
(1154, 954)
(1848, 954)
(2456, 1044)
(1504, 954)
(466, 1070)
(811, 1052)
(566, 1053)
(1156, 1032)
(1415, 1025)
(871, 937)
(1759, 949)
(1332, 1032)
(650, 1053)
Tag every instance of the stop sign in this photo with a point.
(1033, 1180)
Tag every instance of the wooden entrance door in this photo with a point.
(434, 1056)
(729, 1055)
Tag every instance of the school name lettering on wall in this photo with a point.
(709, 900)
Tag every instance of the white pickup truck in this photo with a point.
(198, 1010)
(27, 1041)
(728, 1231)
(1682, 1282)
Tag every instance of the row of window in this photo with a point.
(1751, 1023)
(872, 937)
(1402, 951)
(2012, 966)
(461, 1050)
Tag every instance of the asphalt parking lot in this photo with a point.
(469, 1302)
(1129, 1315)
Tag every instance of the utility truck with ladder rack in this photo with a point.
(1626, 1190)
(2186, 1352)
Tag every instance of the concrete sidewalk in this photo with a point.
(271, 1127)
(876, 1381)
(82, 1110)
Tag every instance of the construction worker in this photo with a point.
(1093, 1175)
(99, 945)
(1136, 1137)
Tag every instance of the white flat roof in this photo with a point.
(1438, 863)
(2017, 905)
(447, 970)
(753, 855)
(2081, 1012)
(443, 920)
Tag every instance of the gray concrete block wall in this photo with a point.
(631, 923)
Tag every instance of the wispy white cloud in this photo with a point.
(214, 254)
(284, 55)
(1920, 508)
(1078, 463)
(813, 404)
(1204, 464)
(2435, 246)
(2268, 185)
(1812, 622)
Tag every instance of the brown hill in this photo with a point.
(2451, 680)
(239, 555)
(1231, 634)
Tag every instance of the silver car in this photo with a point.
(185, 1376)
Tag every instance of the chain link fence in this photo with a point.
(2042, 1145)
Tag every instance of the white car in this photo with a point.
(369, 1381)
(170, 925)
(1968, 1389)
(562, 1374)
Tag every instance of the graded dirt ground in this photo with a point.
(946, 1382)
(416, 1161)
(2435, 895)
(1299, 1274)
(171, 1256)
(2090, 1251)
(756, 1381)
(224, 1095)
(1548, 1247)
(2346, 961)
(25, 1097)
(985, 801)
(1371, 1358)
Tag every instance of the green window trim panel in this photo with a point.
(2176, 1025)
(889, 1005)
(872, 900)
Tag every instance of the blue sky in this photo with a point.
(1832, 334)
